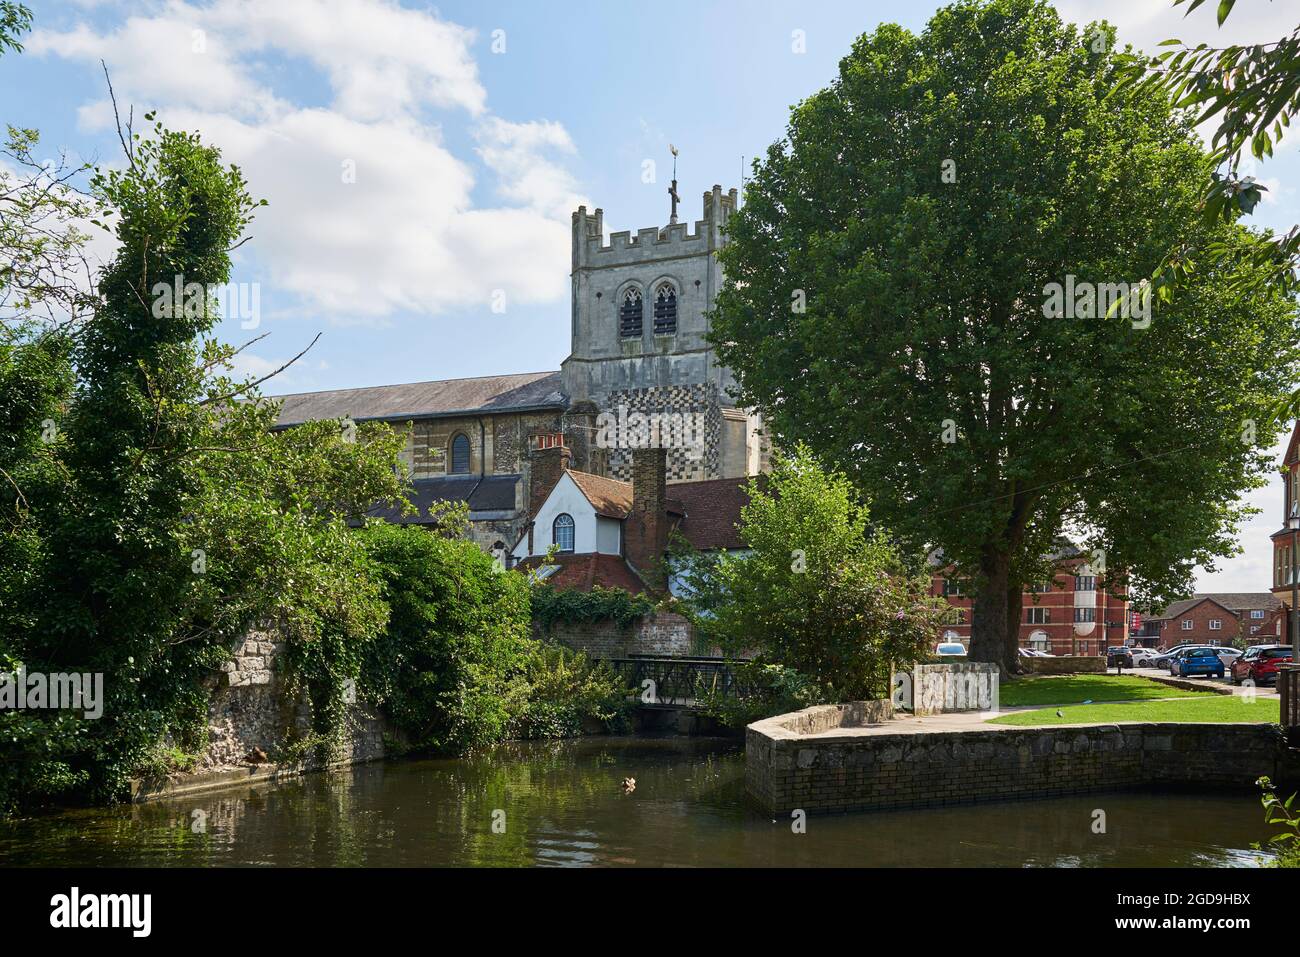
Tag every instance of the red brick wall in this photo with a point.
(664, 633)
(1200, 616)
(1059, 601)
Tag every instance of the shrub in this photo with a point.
(446, 669)
(1277, 811)
(564, 692)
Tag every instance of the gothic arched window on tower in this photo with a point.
(459, 454)
(562, 532)
(666, 311)
(629, 315)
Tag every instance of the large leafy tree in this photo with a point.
(887, 301)
(156, 514)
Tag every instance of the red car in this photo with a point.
(1259, 664)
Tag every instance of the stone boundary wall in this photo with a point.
(248, 710)
(954, 686)
(1065, 665)
(664, 633)
(831, 772)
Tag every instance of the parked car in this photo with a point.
(950, 648)
(1119, 655)
(1198, 660)
(1228, 655)
(1142, 657)
(1034, 653)
(1163, 659)
(1237, 675)
(1259, 664)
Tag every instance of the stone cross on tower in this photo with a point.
(672, 190)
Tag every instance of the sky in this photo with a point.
(421, 161)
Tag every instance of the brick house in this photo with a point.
(1286, 562)
(1220, 618)
(1069, 615)
(615, 534)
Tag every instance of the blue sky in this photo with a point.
(474, 129)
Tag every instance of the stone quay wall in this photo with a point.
(832, 772)
(249, 710)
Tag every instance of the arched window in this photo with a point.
(629, 315)
(562, 532)
(666, 310)
(459, 454)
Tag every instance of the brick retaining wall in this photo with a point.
(832, 772)
(664, 633)
(1065, 665)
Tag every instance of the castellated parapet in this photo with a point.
(653, 369)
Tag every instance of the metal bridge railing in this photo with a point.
(679, 682)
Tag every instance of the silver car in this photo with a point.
(1228, 656)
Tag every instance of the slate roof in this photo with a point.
(487, 494)
(1233, 601)
(426, 400)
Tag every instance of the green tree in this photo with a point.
(15, 20)
(888, 299)
(1250, 93)
(158, 515)
(457, 638)
(819, 591)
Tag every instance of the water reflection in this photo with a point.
(560, 804)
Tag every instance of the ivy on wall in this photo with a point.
(599, 604)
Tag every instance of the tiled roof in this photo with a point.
(1233, 601)
(609, 497)
(487, 494)
(710, 511)
(423, 400)
(585, 571)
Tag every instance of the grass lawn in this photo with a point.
(1071, 689)
(1201, 707)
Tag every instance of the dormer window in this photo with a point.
(629, 315)
(562, 532)
(666, 310)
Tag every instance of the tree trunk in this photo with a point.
(988, 623)
(1011, 647)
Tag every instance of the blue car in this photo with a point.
(1197, 661)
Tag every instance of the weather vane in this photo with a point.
(672, 190)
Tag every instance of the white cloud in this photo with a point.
(1147, 23)
(405, 237)
(516, 152)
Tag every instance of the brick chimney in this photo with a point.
(545, 466)
(645, 533)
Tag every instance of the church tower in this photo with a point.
(638, 344)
